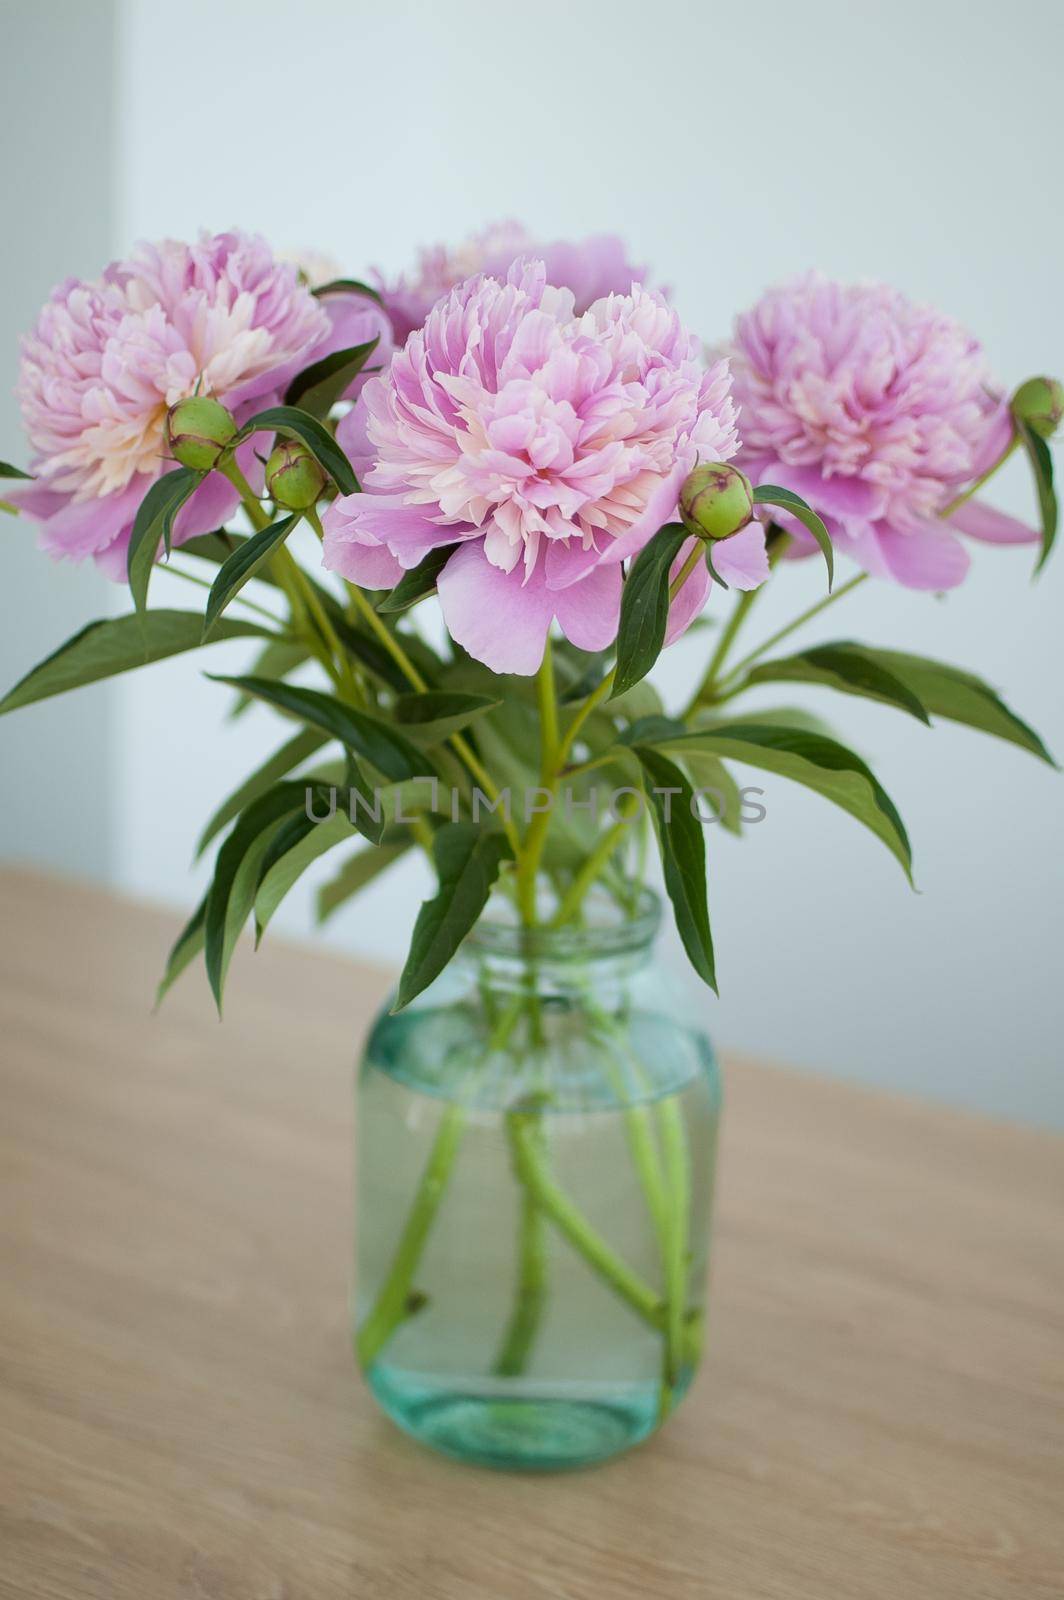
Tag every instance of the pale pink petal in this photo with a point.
(928, 559)
(590, 610)
(691, 598)
(742, 560)
(983, 522)
(498, 618)
(659, 509)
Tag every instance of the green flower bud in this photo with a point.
(199, 430)
(294, 477)
(716, 501)
(1040, 404)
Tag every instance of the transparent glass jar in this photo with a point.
(536, 1139)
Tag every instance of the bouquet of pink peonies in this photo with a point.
(528, 437)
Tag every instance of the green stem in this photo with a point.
(724, 644)
(531, 1290)
(573, 898)
(675, 1244)
(574, 1227)
(393, 1304)
(258, 518)
(727, 683)
(458, 743)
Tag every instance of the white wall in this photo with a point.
(56, 181)
(733, 145)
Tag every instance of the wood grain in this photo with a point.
(880, 1414)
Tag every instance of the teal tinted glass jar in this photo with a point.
(536, 1140)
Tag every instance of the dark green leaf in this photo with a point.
(718, 791)
(419, 581)
(188, 945)
(848, 667)
(296, 846)
(942, 690)
(232, 891)
(118, 644)
(299, 748)
(355, 873)
(434, 715)
(348, 286)
(820, 764)
(376, 741)
(1041, 460)
(468, 858)
(367, 649)
(242, 565)
(318, 440)
(769, 495)
(318, 387)
(8, 471)
(683, 857)
(645, 607)
(153, 524)
(215, 547)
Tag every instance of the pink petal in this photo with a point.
(980, 521)
(568, 562)
(995, 441)
(589, 611)
(836, 496)
(691, 598)
(929, 558)
(499, 619)
(742, 560)
(659, 509)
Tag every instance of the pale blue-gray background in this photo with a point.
(733, 145)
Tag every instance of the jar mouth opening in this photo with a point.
(606, 930)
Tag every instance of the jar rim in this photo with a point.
(608, 932)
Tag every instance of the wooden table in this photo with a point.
(880, 1413)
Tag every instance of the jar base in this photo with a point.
(531, 1432)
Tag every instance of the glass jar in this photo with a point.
(536, 1139)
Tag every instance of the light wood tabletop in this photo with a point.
(880, 1414)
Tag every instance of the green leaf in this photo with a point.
(216, 547)
(242, 564)
(683, 857)
(1041, 460)
(942, 690)
(367, 649)
(153, 523)
(724, 796)
(347, 286)
(468, 858)
(356, 872)
(645, 607)
(299, 748)
(849, 667)
(318, 440)
(434, 715)
(232, 891)
(118, 644)
(820, 764)
(188, 945)
(276, 660)
(768, 494)
(318, 387)
(378, 743)
(292, 858)
(8, 471)
(419, 582)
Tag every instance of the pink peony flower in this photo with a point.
(107, 359)
(879, 412)
(548, 447)
(591, 268)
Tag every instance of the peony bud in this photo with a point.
(294, 478)
(716, 501)
(1040, 404)
(199, 430)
